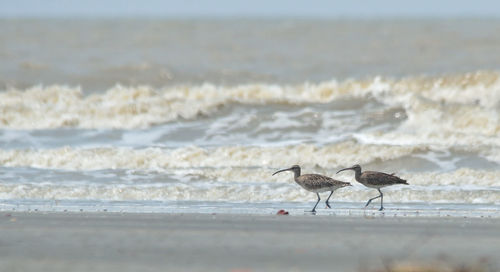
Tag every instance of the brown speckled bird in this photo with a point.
(375, 180)
(315, 183)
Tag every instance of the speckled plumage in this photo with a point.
(375, 180)
(378, 179)
(316, 183)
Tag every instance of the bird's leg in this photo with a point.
(314, 209)
(327, 204)
(381, 200)
(369, 201)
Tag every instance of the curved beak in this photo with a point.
(348, 168)
(282, 170)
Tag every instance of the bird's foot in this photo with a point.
(328, 206)
(381, 209)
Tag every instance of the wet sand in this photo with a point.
(205, 242)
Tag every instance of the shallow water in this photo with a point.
(181, 142)
(344, 209)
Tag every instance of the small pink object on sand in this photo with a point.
(282, 212)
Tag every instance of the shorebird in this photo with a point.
(315, 183)
(375, 180)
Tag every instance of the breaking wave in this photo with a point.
(228, 156)
(460, 103)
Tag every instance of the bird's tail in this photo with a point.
(401, 181)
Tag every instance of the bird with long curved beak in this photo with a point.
(375, 180)
(315, 183)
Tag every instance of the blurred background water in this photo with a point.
(196, 103)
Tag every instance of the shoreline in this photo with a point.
(232, 242)
(341, 209)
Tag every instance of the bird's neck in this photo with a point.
(296, 173)
(357, 174)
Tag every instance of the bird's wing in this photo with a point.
(379, 178)
(316, 181)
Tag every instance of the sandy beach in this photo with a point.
(223, 242)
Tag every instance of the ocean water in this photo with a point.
(139, 115)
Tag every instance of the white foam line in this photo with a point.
(464, 102)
